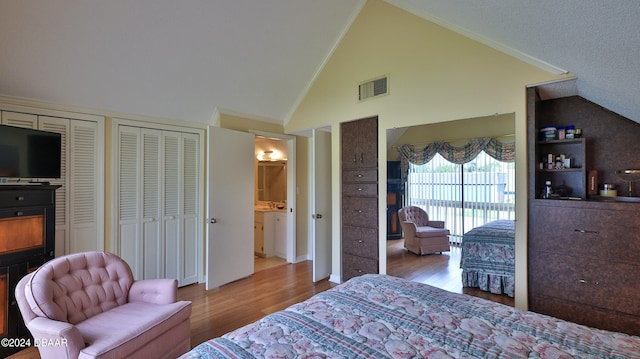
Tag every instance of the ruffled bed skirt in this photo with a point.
(494, 283)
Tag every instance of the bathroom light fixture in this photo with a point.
(270, 155)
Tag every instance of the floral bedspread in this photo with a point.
(379, 316)
(488, 257)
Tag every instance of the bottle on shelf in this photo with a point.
(547, 189)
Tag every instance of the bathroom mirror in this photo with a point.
(272, 181)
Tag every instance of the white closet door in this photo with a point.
(152, 246)
(172, 194)
(18, 119)
(85, 207)
(61, 126)
(129, 208)
(188, 251)
(159, 203)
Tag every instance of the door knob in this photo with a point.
(317, 216)
(213, 220)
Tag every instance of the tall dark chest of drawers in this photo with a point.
(359, 153)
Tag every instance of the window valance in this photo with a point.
(505, 152)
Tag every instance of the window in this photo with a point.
(465, 196)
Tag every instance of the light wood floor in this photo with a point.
(278, 285)
(439, 270)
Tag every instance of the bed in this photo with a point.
(379, 316)
(488, 257)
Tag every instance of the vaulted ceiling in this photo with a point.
(189, 59)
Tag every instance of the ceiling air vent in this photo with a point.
(374, 88)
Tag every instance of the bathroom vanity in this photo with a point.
(270, 233)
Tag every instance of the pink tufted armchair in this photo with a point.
(87, 305)
(422, 236)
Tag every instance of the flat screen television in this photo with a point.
(28, 153)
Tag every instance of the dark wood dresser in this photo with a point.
(359, 146)
(584, 252)
(584, 261)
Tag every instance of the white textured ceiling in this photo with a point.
(167, 58)
(185, 59)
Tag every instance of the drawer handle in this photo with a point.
(355, 158)
(359, 211)
(586, 231)
(360, 241)
(589, 282)
(360, 175)
(359, 189)
(20, 198)
(19, 213)
(362, 158)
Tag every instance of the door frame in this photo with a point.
(291, 190)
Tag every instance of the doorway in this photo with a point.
(455, 132)
(274, 185)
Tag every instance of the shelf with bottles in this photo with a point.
(567, 141)
(563, 163)
(570, 153)
(571, 169)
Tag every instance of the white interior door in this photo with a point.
(291, 201)
(321, 203)
(230, 192)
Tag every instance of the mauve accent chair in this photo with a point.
(422, 236)
(87, 305)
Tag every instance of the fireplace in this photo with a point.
(21, 233)
(27, 235)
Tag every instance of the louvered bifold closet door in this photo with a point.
(188, 257)
(172, 194)
(83, 207)
(152, 244)
(61, 126)
(129, 189)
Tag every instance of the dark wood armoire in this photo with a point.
(359, 148)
